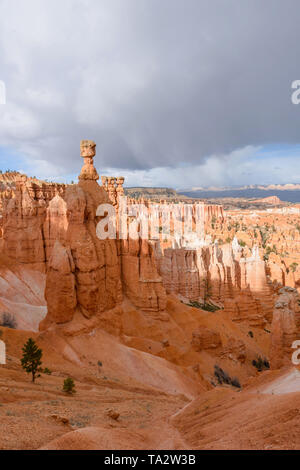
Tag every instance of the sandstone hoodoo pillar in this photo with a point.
(87, 275)
(83, 276)
(104, 182)
(87, 152)
(120, 189)
(114, 187)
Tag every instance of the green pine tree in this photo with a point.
(31, 360)
(69, 386)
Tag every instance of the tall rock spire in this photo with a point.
(88, 151)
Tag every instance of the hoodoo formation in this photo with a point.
(184, 332)
(87, 152)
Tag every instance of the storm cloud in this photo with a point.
(173, 84)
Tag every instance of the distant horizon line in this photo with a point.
(212, 188)
(275, 186)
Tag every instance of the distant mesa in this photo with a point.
(266, 187)
(272, 200)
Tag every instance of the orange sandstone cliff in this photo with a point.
(165, 330)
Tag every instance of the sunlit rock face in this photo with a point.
(88, 279)
(285, 328)
(94, 273)
(25, 230)
(60, 290)
(141, 281)
(23, 219)
(220, 272)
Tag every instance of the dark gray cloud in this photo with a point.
(155, 83)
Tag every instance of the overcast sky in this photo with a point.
(179, 93)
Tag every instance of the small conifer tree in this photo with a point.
(31, 360)
(69, 386)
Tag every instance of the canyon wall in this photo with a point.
(238, 284)
(52, 229)
(285, 328)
